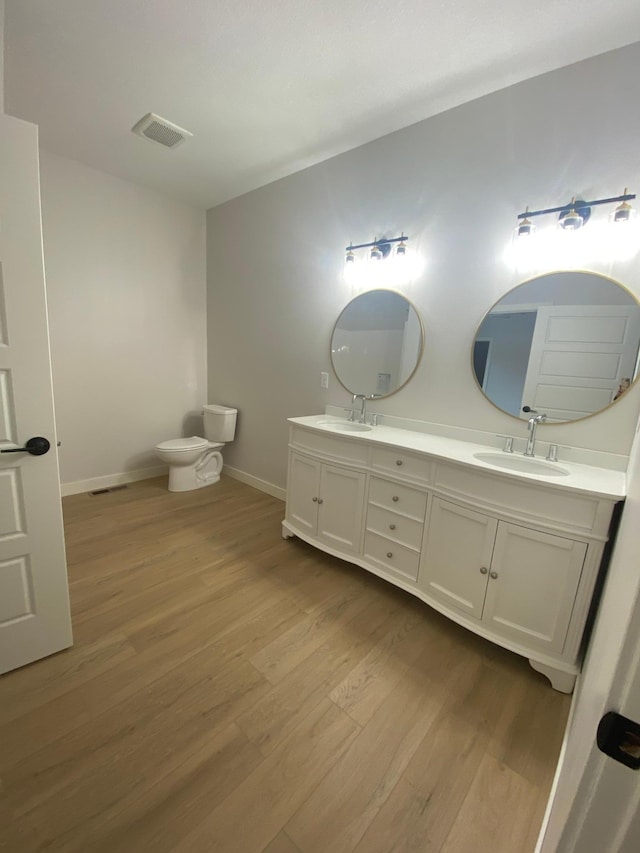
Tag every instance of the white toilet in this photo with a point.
(197, 462)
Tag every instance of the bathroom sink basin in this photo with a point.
(346, 426)
(523, 464)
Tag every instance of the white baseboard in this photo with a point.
(80, 486)
(256, 482)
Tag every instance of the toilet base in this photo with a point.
(202, 473)
(185, 480)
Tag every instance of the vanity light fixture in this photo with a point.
(380, 248)
(574, 215)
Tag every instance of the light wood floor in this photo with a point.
(232, 691)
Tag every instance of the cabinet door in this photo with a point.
(532, 597)
(341, 508)
(303, 492)
(457, 557)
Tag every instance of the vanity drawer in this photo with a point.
(329, 447)
(397, 498)
(392, 556)
(408, 531)
(399, 463)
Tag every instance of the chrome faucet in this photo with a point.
(533, 424)
(363, 410)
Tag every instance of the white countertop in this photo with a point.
(585, 479)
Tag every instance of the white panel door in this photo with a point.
(579, 354)
(456, 563)
(532, 586)
(34, 598)
(341, 508)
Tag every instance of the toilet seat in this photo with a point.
(184, 444)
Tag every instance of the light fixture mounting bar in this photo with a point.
(579, 203)
(384, 240)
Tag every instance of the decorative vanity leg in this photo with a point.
(563, 682)
(286, 534)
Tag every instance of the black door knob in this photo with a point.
(36, 446)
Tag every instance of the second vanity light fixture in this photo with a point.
(380, 248)
(574, 215)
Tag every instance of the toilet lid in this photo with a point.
(193, 443)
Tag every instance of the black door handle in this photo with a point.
(36, 446)
(619, 738)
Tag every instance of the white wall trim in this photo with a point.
(80, 486)
(256, 482)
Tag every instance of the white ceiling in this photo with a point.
(268, 87)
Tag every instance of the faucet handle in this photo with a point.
(552, 453)
(351, 412)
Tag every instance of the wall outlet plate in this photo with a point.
(324, 380)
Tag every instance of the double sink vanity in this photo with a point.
(508, 546)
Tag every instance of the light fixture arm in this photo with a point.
(577, 204)
(382, 241)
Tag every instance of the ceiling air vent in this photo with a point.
(157, 129)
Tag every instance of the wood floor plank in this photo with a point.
(169, 714)
(281, 844)
(424, 805)
(158, 816)
(284, 654)
(496, 793)
(250, 816)
(340, 809)
(280, 710)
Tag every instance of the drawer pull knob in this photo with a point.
(483, 570)
(315, 500)
(493, 575)
(319, 500)
(395, 498)
(398, 461)
(392, 527)
(389, 554)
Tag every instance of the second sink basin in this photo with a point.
(523, 464)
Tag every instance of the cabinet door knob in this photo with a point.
(398, 461)
(484, 570)
(493, 575)
(315, 500)
(319, 500)
(389, 554)
(392, 527)
(395, 498)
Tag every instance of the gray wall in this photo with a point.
(454, 183)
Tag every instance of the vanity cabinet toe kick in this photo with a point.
(515, 562)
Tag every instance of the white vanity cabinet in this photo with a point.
(521, 583)
(512, 558)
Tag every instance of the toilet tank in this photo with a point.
(219, 423)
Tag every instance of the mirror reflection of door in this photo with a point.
(563, 344)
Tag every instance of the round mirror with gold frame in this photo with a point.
(377, 343)
(564, 344)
